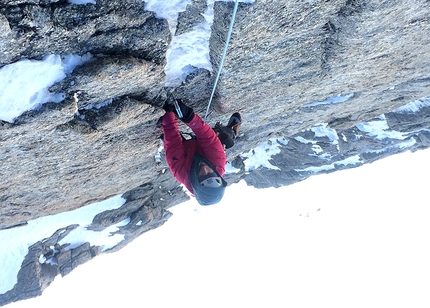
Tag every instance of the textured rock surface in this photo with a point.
(310, 152)
(282, 58)
(58, 27)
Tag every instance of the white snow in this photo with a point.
(303, 140)
(260, 156)
(353, 238)
(344, 138)
(189, 50)
(168, 10)
(282, 140)
(332, 100)
(322, 130)
(353, 160)
(24, 84)
(105, 239)
(185, 51)
(407, 144)
(380, 130)
(414, 106)
(160, 150)
(317, 149)
(82, 1)
(99, 105)
(15, 241)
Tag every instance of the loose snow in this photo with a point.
(380, 130)
(332, 100)
(168, 10)
(260, 156)
(322, 130)
(188, 51)
(24, 84)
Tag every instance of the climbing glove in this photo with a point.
(187, 112)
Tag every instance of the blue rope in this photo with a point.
(223, 56)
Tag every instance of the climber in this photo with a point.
(198, 163)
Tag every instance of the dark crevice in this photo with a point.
(333, 28)
(352, 7)
(329, 44)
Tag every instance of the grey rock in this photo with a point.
(298, 161)
(70, 259)
(4, 26)
(108, 27)
(283, 62)
(192, 16)
(103, 79)
(284, 56)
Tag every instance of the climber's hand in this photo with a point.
(168, 107)
(187, 112)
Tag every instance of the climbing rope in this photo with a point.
(223, 56)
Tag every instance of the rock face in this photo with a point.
(284, 56)
(284, 62)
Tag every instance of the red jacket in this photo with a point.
(179, 153)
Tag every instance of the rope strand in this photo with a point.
(223, 56)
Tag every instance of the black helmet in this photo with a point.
(210, 188)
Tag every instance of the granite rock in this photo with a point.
(286, 65)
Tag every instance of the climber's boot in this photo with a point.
(235, 122)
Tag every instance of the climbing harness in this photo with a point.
(223, 56)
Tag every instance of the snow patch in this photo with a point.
(330, 101)
(168, 10)
(260, 156)
(379, 130)
(353, 160)
(303, 140)
(99, 105)
(323, 131)
(106, 238)
(31, 79)
(317, 149)
(414, 106)
(188, 51)
(82, 1)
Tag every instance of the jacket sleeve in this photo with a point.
(209, 144)
(174, 147)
